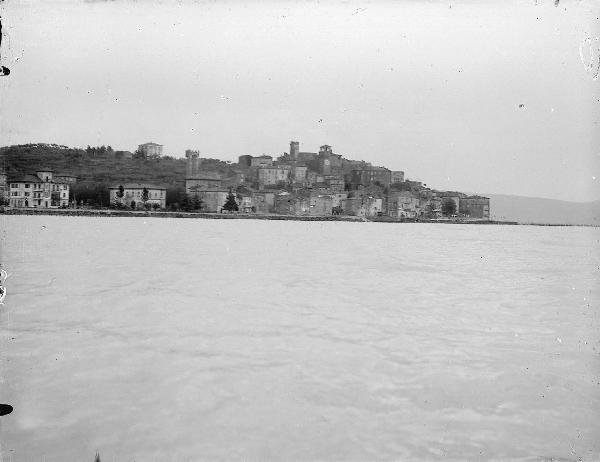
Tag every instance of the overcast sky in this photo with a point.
(478, 96)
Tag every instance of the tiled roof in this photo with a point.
(137, 186)
(25, 179)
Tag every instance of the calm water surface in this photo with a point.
(174, 339)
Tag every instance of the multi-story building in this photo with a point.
(369, 176)
(475, 207)
(397, 176)
(329, 163)
(203, 180)
(40, 190)
(363, 206)
(261, 161)
(335, 183)
(213, 199)
(196, 178)
(299, 173)
(151, 149)
(271, 176)
(137, 195)
(403, 204)
(245, 161)
(4, 190)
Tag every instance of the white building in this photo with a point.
(39, 190)
(151, 149)
(133, 195)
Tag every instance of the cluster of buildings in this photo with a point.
(323, 183)
(42, 189)
(295, 183)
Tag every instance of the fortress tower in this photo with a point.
(294, 149)
(193, 162)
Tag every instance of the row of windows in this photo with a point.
(151, 195)
(55, 187)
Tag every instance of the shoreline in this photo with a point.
(247, 216)
(272, 216)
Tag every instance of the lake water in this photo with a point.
(181, 339)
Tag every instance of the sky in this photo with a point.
(477, 96)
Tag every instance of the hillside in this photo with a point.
(538, 210)
(97, 169)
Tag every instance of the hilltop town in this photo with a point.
(296, 183)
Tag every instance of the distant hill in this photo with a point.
(538, 210)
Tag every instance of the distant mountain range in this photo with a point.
(547, 211)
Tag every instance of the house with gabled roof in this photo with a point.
(40, 190)
(132, 195)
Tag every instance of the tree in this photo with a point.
(121, 192)
(431, 208)
(139, 154)
(196, 203)
(156, 206)
(231, 205)
(145, 195)
(448, 207)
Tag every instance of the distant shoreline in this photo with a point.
(238, 216)
(253, 216)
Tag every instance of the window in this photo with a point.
(27, 193)
(27, 185)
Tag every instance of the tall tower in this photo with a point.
(294, 149)
(192, 163)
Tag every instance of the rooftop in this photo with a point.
(137, 186)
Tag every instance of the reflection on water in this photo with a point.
(227, 339)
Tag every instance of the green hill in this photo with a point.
(100, 167)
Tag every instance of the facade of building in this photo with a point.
(272, 176)
(151, 149)
(197, 179)
(403, 204)
(397, 176)
(4, 189)
(261, 161)
(203, 180)
(263, 201)
(475, 207)
(294, 149)
(213, 199)
(335, 183)
(370, 176)
(193, 163)
(245, 161)
(133, 195)
(40, 190)
(299, 173)
(363, 206)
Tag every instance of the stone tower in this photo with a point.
(192, 163)
(294, 149)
